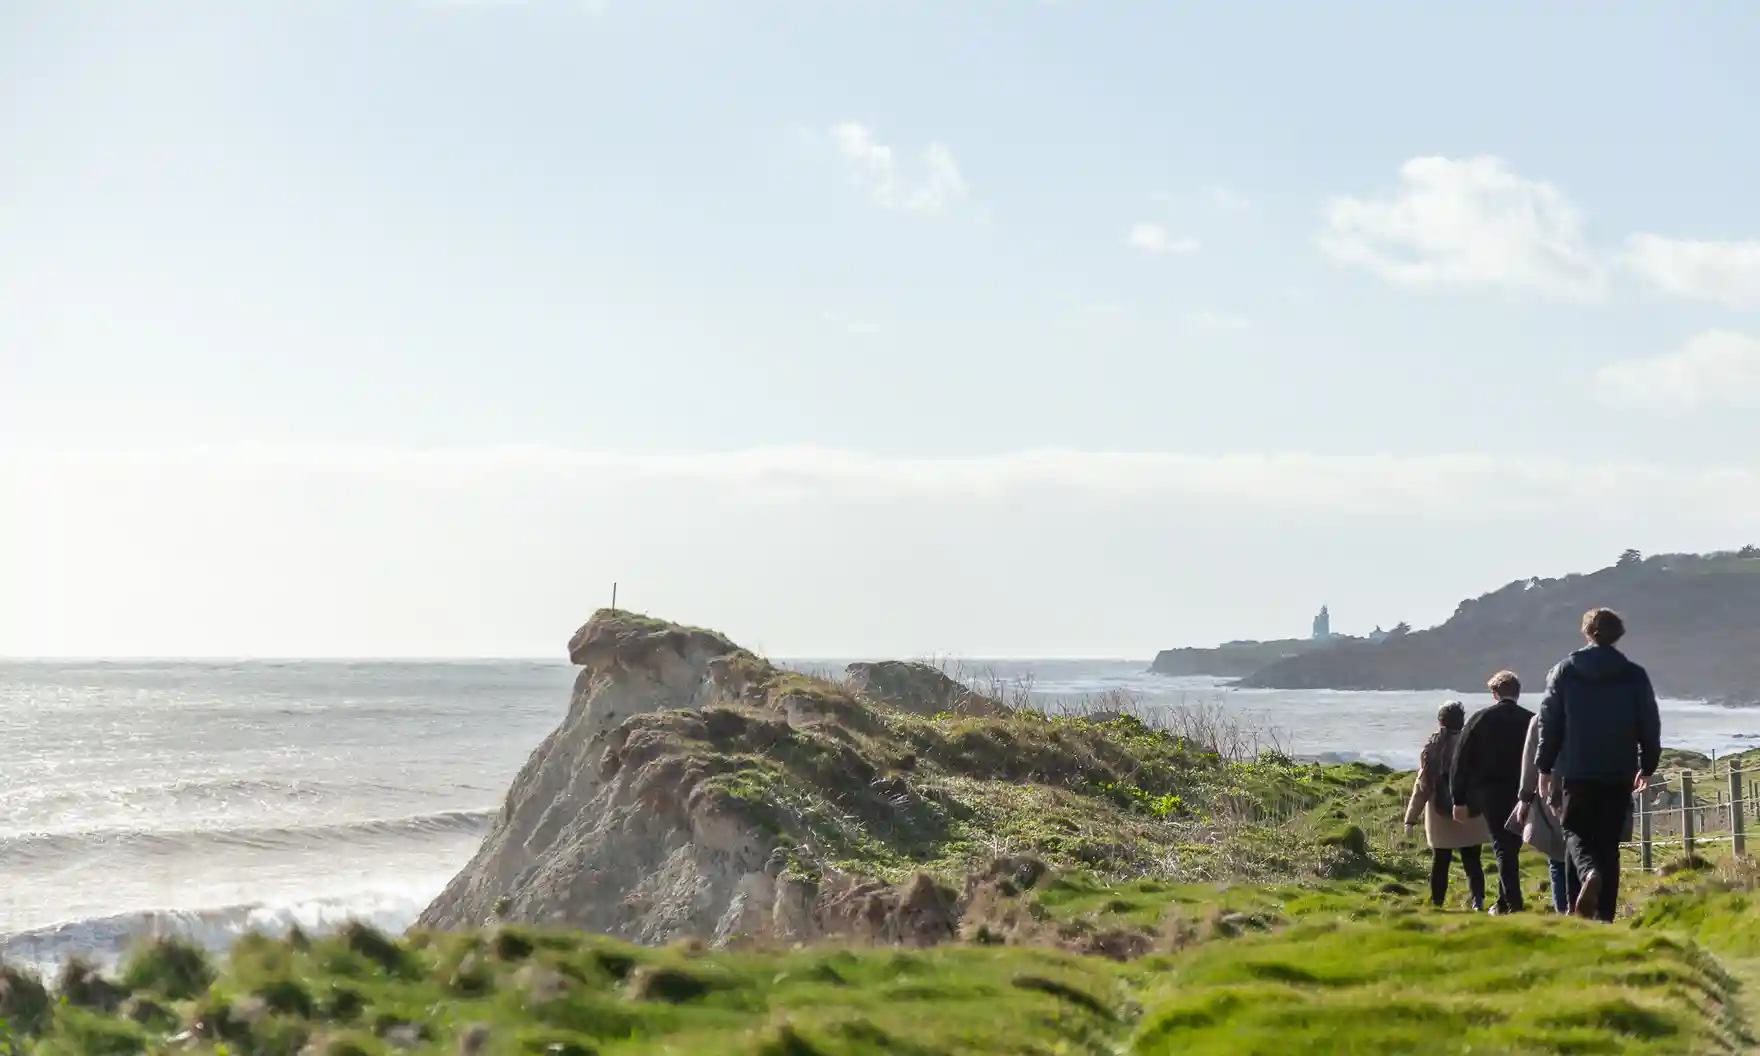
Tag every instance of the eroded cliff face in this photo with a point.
(601, 829)
(629, 820)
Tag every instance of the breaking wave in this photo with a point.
(69, 847)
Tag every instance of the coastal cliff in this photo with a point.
(1693, 621)
(695, 790)
(1090, 885)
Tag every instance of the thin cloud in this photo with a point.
(1155, 240)
(1217, 322)
(852, 327)
(1717, 368)
(1276, 480)
(1464, 223)
(1727, 273)
(1229, 201)
(935, 184)
(593, 6)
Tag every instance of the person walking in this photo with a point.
(1536, 819)
(1487, 779)
(1432, 800)
(1600, 741)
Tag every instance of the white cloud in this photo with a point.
(1153, 238)
(1216, 322)
(1725, 272)
(937, 185)
(1471, 222)
(1715, 368)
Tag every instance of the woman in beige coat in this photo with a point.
(1431, 800)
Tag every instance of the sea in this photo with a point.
(211, 799)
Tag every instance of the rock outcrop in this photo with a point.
(603, 828)
(650, 813)
(919, 689)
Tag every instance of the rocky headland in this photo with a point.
(1231, 659)
(1693, 621)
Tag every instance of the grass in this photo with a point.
(516, 991)
(1446, 984)
(1329, 968)
(884, 794)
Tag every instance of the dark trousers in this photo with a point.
(1507, 847)
(1564, 884)
(1441, 858)
(1594, 820)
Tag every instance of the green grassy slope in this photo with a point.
(1338, 968)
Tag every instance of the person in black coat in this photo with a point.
(1601, 738)
(1488, 779)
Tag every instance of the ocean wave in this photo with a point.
(59, 847)
(193, 791)
(104, 940)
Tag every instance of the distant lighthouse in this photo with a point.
(1322, 625)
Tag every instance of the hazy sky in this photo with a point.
(404, 327)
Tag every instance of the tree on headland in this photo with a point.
(1630, 557)
(1402, 627)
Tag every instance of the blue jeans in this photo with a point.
(1564, 885)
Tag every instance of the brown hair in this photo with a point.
(1505, 685)
(1603, 626)
(1451, 716)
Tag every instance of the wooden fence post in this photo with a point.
(1644, 836)
(1687, 814)
(1737, 807)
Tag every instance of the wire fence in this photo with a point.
(1685, 809)
(1692, 810)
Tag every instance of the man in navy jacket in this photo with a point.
(1601, 737)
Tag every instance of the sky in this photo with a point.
(999, 328)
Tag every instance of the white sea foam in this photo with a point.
(105, 940)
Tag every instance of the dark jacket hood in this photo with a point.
(1598, 663)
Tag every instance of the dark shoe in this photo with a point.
(1477, 905)
(1589, 898)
